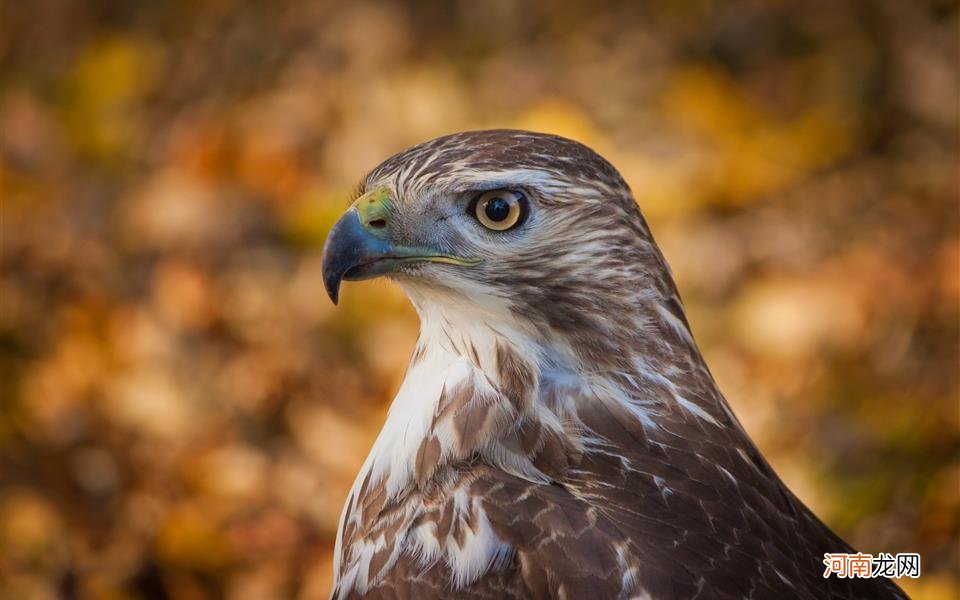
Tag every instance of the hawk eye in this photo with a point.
(500, 210)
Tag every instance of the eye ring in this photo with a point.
(500, 210)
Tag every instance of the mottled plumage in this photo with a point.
(558, 434)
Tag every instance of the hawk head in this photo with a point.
(528, 231)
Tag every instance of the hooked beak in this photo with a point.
(358, 246)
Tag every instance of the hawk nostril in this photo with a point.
(378, 223)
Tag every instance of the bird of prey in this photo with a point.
(558, 433)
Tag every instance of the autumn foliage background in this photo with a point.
(183, 409)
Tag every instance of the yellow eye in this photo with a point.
(500, 210)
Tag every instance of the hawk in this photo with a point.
(558, 433)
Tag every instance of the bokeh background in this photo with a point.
(183, 410)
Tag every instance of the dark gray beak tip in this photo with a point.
(338, 255)
(333, 290)
(348, 247)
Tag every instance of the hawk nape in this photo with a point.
(558, 434)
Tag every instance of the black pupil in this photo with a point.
(497, 209)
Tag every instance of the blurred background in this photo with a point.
(183, 410)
